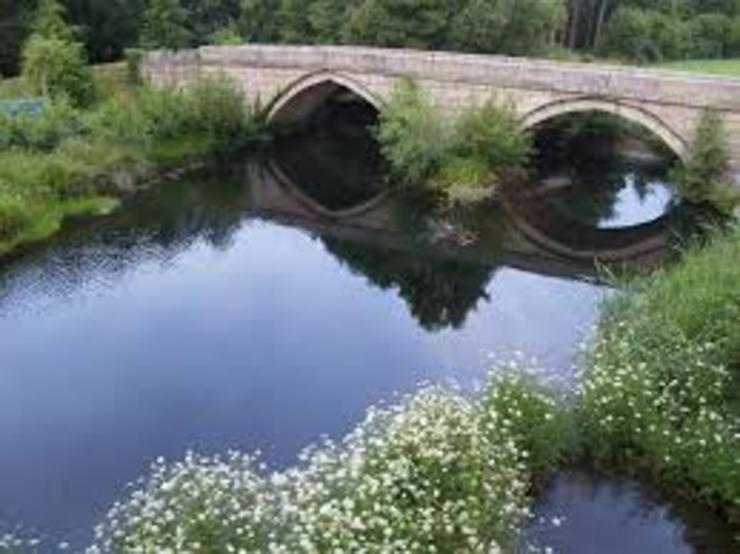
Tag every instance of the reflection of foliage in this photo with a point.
(586, 149)
(439, 293)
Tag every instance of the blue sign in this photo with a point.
(28, 107)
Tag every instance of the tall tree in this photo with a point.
(518, 27)
(205, 17)
(294, 23)
(257, 21)
(50, 21)
(164, 25)
(326, 18)
(54, 64)
(412, 23)
(15, 16)
(107, 27)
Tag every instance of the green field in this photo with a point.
(714, 67)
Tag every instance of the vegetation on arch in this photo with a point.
(461, 158)
(704, 178)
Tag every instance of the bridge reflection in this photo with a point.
(441, 266)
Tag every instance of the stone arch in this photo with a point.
(677, 144)
(308, 93)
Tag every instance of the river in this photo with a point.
(265, 303)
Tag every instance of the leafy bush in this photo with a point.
(645, 35)
(212, 109)
(436, 473)
(462, 158)
(660, 392)
(491, 133)
(702, 179)
(15, 213)
(654, 402)
(215, 107)
(540, 424)
(134, 58)
(414, 136)
(58, 121)
(148, 116)
(54, 67)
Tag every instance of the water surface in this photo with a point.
(257, 306)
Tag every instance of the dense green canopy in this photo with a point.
(641, 30)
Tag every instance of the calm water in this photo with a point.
(233, 310)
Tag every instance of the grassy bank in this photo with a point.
(729, 67)
(440, 472)
(436, 473)
(70, 161)
(661, 391)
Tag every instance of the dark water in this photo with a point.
(236, 309)
(586, 513)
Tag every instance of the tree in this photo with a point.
(14, 27)
(517, 27)
(326, 18)
(107, 27)
(205, 17)
(398, 23)
(701, 180)
(257, 22)
(53, 63)
(294, 24)
(50, 22)
(164, 26)
(479, 27)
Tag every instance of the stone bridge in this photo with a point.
(292, 81)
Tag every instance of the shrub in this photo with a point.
(15, 213)
(540, 424)
(660, 389)
(215, 107)
(54, 67)
(491, 133)
(465, 180)
(414, 137)
(462, 159)
(134, 57)
(429, 475)
(710, 35)
(212, 109)
(654, 402)
(701, 180)
(58, 121)
(645, 35)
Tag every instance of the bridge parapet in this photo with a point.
(666, 102)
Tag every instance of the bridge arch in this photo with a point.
(302, 97)
(634, 114)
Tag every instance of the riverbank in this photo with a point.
(448, 472)
(68, 162)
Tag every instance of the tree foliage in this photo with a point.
(164, 25)
(701, 180)
(53, 63)
(636, 30)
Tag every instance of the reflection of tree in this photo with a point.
(440, 293)
(154, 225)
(585, 148)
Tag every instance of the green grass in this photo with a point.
(110, 79)
(60, 163)
(662, 381)
(711, 67)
